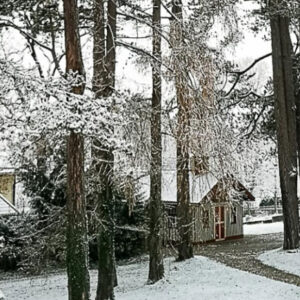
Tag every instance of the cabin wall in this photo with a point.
(203, 223)
(234, 229)
(7, 186)
(203, 227)
(202, 232)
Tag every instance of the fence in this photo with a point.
(265, 210)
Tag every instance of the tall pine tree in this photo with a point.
(103, 86)
(185, 247)
(156, 268)
(285, 120)
(77, 245)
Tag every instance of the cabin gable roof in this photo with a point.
(208, 188)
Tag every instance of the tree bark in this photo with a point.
(156, 268)
(298, 125)
(106, 249)
(297, 92)
(286, 123)
(99, 48)
(185, 247)
(110, 58)
(77, 245)
(103, 86)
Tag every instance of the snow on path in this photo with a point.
(288, 261)
(197, 278)
(263, 228)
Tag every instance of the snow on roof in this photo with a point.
(169, 186)
(6, 208)
(199, 186)
(5, 171)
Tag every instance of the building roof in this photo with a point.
(204, 187)
(201, 185)
(6, 208)
(7, 171)
(228, 188)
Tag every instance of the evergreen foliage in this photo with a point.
(36, 241)
(45, 184)
(130, 233)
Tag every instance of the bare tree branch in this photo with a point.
(240, 73)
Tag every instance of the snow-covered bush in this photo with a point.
(13, 247)
(32, 244)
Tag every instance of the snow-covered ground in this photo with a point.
(263, 228)
(260, 218)
(288, 261)
(198, 278)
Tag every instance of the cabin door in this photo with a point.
(219, 223)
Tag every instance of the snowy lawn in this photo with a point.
(198, 278)
(288, 261)
(263, 228)
(260, 218)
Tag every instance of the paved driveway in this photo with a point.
(242, 254)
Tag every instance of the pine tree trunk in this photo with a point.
(286, 124)
(103, 86)
(185, 247)
(297, 103)
(297, 94)
(156, 268)
(77, 245)
(106, 249)
(99, 48)
(298, 125)
(110, 58)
